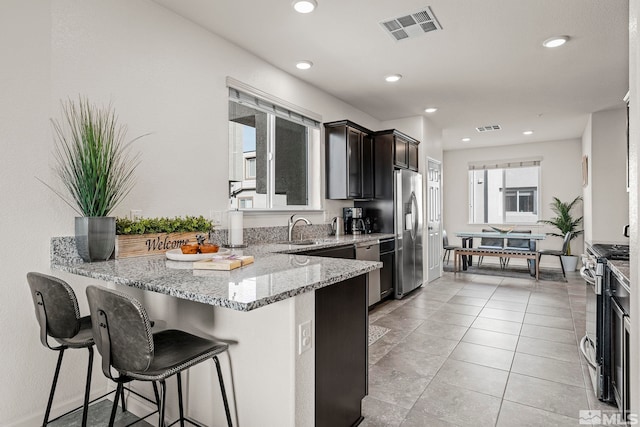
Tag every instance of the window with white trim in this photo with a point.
(504, 192)
(274, 154)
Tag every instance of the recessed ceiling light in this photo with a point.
(466, 139)
(430, 110)
(304, 65)
(393, 78)
(304, 6)
(555, 41)
(527, 132)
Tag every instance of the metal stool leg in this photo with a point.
(163, 395)
(155, 392)
(87, 389)
(224, 393)
(53, 388)
(180, 403)
(112, 418)
(124, 405)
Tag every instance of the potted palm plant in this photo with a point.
(95, 164)
(564, 221)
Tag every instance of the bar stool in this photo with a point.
(124, 338)
(59, 318)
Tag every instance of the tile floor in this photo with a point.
(472, 350)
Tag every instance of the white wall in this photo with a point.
(165, 76)
(606, 199)
(561, 177)
(29, 214)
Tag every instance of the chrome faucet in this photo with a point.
(293, 223)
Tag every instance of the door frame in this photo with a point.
(433, 273)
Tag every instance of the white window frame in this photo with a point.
(504, 165)
(275, 107)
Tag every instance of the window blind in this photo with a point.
(254, 98)
(504, 164)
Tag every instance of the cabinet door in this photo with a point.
(383, 161)
(367, 167)
(401, 152)
(347, 252)
(386, 273)
(354, 154)
(413, 157)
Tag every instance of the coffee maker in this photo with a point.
(353, 221)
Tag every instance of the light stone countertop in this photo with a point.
(277, 273)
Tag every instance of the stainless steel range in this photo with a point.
(603, 344)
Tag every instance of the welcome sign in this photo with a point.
(151, 244)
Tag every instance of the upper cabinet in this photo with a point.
(392, 150)
(360, 163)
(349, 161)
(404, 148)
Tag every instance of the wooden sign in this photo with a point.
(151, 244)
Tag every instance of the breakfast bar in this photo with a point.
(265, 311)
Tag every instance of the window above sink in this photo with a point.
(274, 153)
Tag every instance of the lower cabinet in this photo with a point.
(347, 252)
(341, 352)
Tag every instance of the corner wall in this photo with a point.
(606, 201)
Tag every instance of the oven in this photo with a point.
(618, 293)
(605, 345)
(593, 346)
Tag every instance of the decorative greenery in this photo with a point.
(564, 221)
(163, 225)
(93, 160)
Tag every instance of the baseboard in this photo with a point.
(35, 419)
(136, 405)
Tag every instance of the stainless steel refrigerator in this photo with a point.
(408, 221)
(398, 210)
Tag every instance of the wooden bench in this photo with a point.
(502, 253)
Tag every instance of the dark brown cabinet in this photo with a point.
(341, 352)
(392, 150)
(413, 156)
(349, 161)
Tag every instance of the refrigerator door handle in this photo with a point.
(414, 227)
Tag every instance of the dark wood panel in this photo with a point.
(341, 352)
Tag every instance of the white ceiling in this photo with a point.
(486, 66)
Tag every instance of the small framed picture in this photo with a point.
(585, 170)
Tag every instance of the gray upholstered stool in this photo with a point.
(124, 338)
(59, 318)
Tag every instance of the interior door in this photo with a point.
(434, 219)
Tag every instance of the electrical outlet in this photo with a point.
(135, 214)
(305, 338)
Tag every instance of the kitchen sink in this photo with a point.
(304, 242)
(309, 242)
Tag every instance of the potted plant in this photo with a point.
(564, 221)
(95, 164)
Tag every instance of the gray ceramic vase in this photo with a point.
(95, 237)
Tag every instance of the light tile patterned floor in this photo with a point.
(471, 350)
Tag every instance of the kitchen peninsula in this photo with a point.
(260, 310)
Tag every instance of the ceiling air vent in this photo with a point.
(489, 128)
(411, 25)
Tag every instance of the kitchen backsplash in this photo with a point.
(63, 249)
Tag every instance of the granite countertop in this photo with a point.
(278, 273)
(621, 269)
